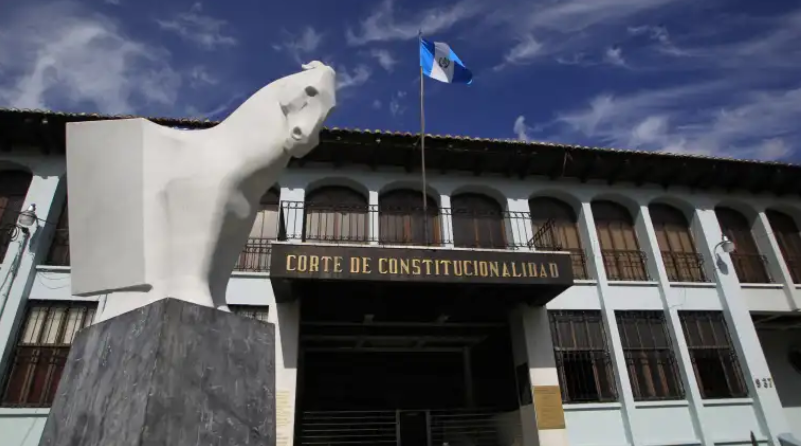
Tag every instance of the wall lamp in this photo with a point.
(25, 220)
(727, 245)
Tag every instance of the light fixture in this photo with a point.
(727, 245)
(27, 218)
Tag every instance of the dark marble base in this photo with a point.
(169, 374)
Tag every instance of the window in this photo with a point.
(267, 227)
(59, 253)
(336, 213)
(401, 219)
(259, 313)
(582, 356)
(789, 240)
(13, 189)
(649, 355)
(620, 250)
(715, 363)
(562, 234)
(41, 351)
(749, 264)
(682, 261)
(477, 222)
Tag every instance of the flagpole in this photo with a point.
(423, 142)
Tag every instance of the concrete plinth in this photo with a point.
(171, 373)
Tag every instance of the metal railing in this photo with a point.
(751, 268)
(255, 257)
(470, 427)
(794, 268)
(625, 265)
(331, 428)
(684, 266)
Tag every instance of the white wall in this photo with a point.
(777, 344)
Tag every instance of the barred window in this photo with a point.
(582, 356)
(257, 312)
(13, 189)
(649, 355)
(41, 351)
(620, 250)
(715, 363)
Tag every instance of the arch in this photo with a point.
(401, 219)
(571, 200)
(414, 186)
(477, 221)
(749, 264)
(266, 226)
(14, 186)
(336, 214)
(685, 207)
(631, 206)
(785, 230)
(484, 190)
(328, 182)
(555, 226)
(620, 248)
(676, 244)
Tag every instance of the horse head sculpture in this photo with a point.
(158, 212)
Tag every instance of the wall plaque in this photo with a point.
(302, 261)
(548, 407)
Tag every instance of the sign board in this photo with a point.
(296, 261)
(548, 407)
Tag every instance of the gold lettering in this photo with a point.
(466, 272)
(289, 259)
(457, 268)
(416, 267)
(338, 264)
(314, 264)
(543, 272)
(326, 260)
(366, 265)
(475, 268)
(436, 267)
(303, 263)
(494, 272)
(393, 266)
(532, 269)
(428, 263)
(554, 269)
(506, 271)
(354, 265)
(382, 266)
(446, 264)
(404, 266)
(514, 270)
(523, 268)
(483, 269)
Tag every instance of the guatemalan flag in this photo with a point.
(439, 62)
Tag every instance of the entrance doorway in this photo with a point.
(404, 365)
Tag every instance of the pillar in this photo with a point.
(518, 223)
(373, 216)
(541, 415)
(286, 318)
(292, 212)
(741, 327)
(446, 220)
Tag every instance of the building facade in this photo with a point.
(681, 326)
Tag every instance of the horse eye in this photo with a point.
(311, 92)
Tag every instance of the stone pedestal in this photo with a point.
(170, 373)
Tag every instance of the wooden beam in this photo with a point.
(525, 166)
(618, 169)
(592, 164)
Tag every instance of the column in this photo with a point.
(595, 267)
(23, 255)
(738, 318)
(657, 267)
(777, 267)
(541, 415)
(446, 220)
(292, 212)
(286, 318)
(373, 216)
(518, 223)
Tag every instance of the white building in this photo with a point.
(669, 335)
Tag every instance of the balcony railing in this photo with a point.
(794, 267)
(255, 257)
(625, 265)
(684, 266)
(751, 268)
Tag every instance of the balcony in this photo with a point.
(625, 265)
(684, 267)
(751, 268)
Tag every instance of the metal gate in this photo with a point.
(442, 428)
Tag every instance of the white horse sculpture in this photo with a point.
(157, 212)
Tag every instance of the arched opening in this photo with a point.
(266, 227)
(336, 214)
(789, 240)
(14, 186)
(59, 253)
(675, 240)
(477, 222)
(620, 250)
(402, 221)
(749, 264)
(554, 225)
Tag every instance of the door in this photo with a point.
(413, 428)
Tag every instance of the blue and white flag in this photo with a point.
(440, 62)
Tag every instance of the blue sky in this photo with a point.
(715, 77)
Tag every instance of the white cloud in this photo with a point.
(199, 75)
(385, 59)
(520, 128)
(525, 51)
(614, 56)
(395, 104)
(301, 45)
(113, 2)
(377, 104)
(59, 56)
(203, 30)
(383, 26)
(713, 118)
(346, 79)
